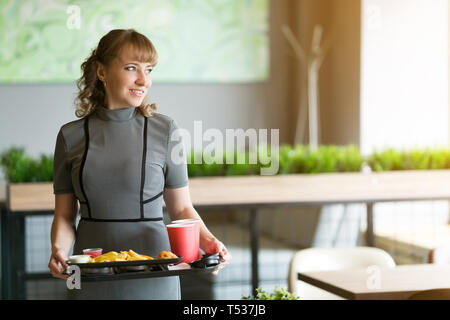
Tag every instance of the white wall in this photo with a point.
(31, 115)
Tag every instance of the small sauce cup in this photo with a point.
(93, 252)
(80, 258)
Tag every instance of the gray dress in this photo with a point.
(117, 163)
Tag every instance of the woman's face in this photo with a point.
(127, 80)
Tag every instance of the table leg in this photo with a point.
(17, 256)
(6, 273)
(370, 235)
(254, 245)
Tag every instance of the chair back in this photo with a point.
(329, 259)
(439, 255)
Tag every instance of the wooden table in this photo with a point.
(294, 189)
(397, 283)
(248, 192)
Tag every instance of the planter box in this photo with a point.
(32, 196)
(324, 188)
(294, 189)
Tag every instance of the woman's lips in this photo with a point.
(137, 92)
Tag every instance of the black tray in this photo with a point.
(164, 272)
(126, 263)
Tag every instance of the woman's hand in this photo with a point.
(58, 264)
(213, 246)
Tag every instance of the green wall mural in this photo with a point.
(197, 40)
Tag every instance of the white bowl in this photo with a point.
(80, 258)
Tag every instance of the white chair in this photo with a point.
(439, 255)
(328, 259)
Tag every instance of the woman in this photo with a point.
(116, 161)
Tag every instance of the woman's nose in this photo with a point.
(142, 79)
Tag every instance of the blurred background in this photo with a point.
(375, 73)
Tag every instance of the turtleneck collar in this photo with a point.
(117, 114)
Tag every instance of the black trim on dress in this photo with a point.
(120, 220)
(153, 198)
(86, 147)
(144, 156)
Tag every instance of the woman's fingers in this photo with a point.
(57, 265)
(56, 269)
(224, 254)
(62, 258)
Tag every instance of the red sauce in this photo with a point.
(93, 252)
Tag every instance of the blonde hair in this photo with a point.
(91, 90)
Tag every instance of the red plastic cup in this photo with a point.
(196, 223)
(93, 252)
(181, 237)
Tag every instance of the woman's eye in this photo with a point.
(149, 70)
(131, 68)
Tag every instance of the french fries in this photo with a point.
(129, 255)
(167, 255)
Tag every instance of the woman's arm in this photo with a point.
(62, 233)
(179, 206)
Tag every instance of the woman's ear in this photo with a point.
(100, 71)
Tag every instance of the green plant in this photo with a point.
(277, 294)
(416, 159)
(18, 167)
(241, 164)
(194, 170)
(207, 167)
(349, 159)
(413, 159)
(292, 159)
(440, 159)
(301, 159)
(324, 159)
(284, 158)
(386, 160)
